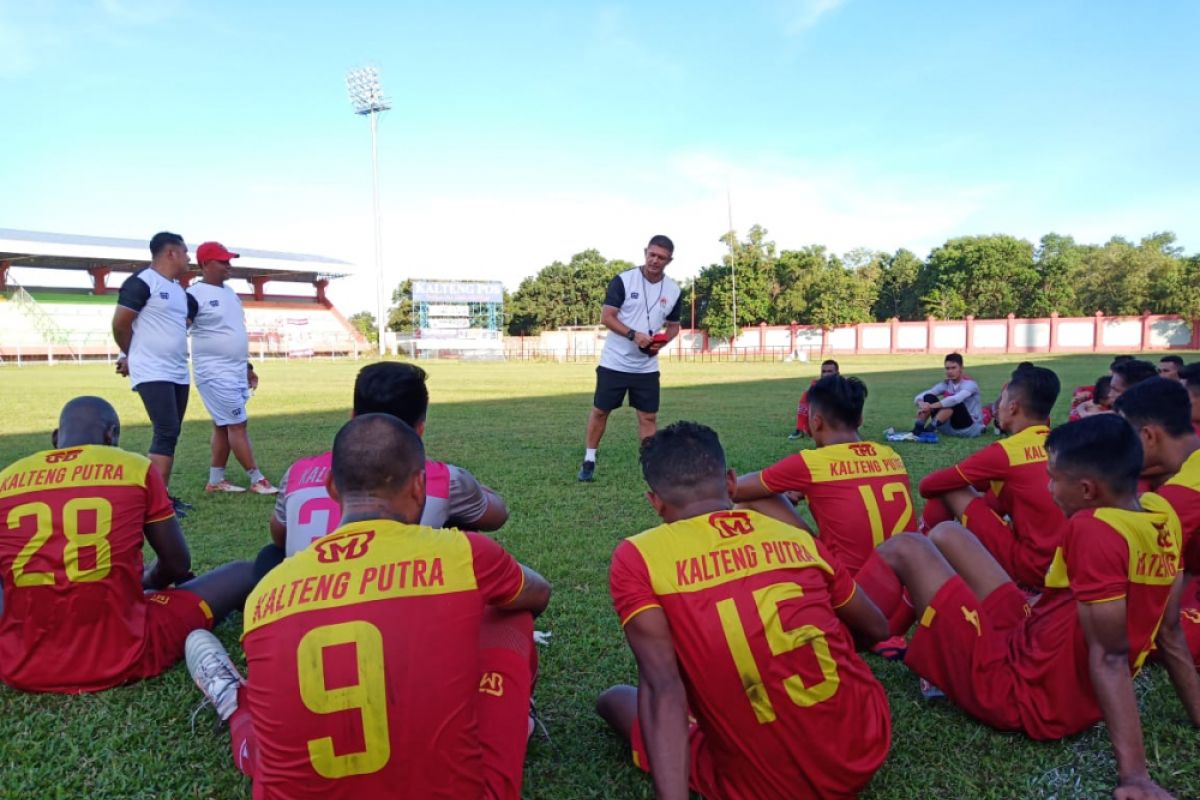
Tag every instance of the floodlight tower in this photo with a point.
(366, 96)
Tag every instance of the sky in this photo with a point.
(525, 132)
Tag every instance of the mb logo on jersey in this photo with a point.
(345, 546)
(863, 449)
(63, 455)
(731, 523)
(492, 683)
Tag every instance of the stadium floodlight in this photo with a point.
(366, 95)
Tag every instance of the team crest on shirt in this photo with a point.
(731, 523)
(862, 449)
(237, 412)
(165, 295)
(972, 616)
(633, 295)
(63, 455)
(1164, 537)
(214, 303)
(492, 683)
(345, 546)
(162, 598)
(1191, 615)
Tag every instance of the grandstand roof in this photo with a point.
(69, 251)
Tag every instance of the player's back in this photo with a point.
(1182, 492)
(71, 532)
(309, 513)
(784, 701)
(363, 657)
(858, 494)
(1107, 554)
(1023, 490)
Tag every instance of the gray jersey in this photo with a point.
(220, 347)
(159, 350)
(644, 307)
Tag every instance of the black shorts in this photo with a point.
(960, 418)
(612, 385)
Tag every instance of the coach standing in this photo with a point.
(637, 304)
(150, 326)
(224, 374)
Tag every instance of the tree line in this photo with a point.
(985, 276)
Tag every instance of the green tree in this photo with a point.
(400, 315)
(563, 294)
(987, 276)
(1057, 262)
(364, 323)
(897, 294)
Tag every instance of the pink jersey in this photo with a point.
(305, 507)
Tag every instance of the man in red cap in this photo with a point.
(224, 374)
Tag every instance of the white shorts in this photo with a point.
(226, 403)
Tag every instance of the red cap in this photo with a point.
(213, 251)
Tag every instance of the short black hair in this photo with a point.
(683, 461)
(839, 398)
(829, 361)
(1038, 387)
(1158, 401)
(1190, 375)
(955, 358)
(663, 242)
(375, 454)
(1172, 359)
(392, 387)
(1103, 447)
(1024, 364)
(1135, 371)
(1118, 360)
(1102, 389)
(162, 240)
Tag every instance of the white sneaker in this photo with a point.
(223, 486)
(263, 486)
(210, 667)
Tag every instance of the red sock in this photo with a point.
(242, 741)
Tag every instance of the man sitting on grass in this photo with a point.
(80, 612)
(828, 367)
(1067, 663)
(1159, 410)
(749, 624)
(999, 493)
(952, 406)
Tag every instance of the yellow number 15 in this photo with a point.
(780, 641)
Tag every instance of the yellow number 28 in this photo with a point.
(368, 696)
(780, 641)
(78, 538)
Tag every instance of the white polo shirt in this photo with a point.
(159, 350)
(220, 347)
(643, 306)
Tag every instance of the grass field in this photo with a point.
(519, 428)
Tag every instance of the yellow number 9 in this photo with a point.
(368, 696)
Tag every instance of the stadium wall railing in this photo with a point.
(1011, 335)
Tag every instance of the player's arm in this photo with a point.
(474, 506)
(935, 390)
(751, 487)
(662, 702)
(966, 389)
(534, 595)
(495, 513)
(122, 327)
(278, 531)
(174, 561)
(864, 619)
(1103, 626)
(1172, 647)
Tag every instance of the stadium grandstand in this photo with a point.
(62, 305)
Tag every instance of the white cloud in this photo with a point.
(804, 14)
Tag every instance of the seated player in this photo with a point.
(952, 406)
(748, 623)
(828, 367)
(1013, 472)
(304, 511)
(1190, 377)
(1127, 373)
(1169, 366)
(1098, 400)
(80, 612)
(1060, 667)
(403, 666)
(1160, 412)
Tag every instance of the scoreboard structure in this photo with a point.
(462, 317)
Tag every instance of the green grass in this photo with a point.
(519, 427)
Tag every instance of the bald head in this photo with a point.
(376, 454)
(87, 420)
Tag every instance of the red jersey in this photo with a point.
(1013, 470)
(1107, 554)
(363, 659)
(71, 532)
(765, 660)
(857, 492)
(1182, 492)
